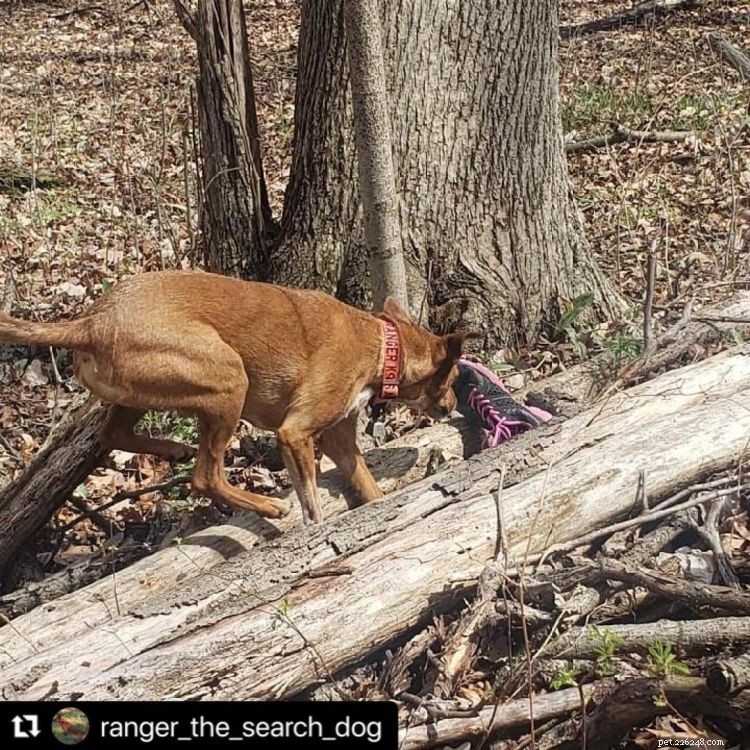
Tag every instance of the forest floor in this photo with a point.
(97, 181)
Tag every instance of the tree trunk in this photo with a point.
(486, 210)
(372, 130)
(260, 625)
(235, 214)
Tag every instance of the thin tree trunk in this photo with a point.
(372, 130)
(235, 214)
(486, 209)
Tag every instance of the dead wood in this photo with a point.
(568, 392)
(648, 10)
(72, 451)
(738, 59)
(622, 134)
(696, 595)
(259, 625)
(402, 462)
(491, 720)
(709, 532)
(618, 709)
(70, 579)
(688, 637)
(729, 675)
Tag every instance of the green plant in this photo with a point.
(663, 662)
(624, 348)
(567, 677)
(168, 424)
(571, 325)
(605, 645)
(592, 108)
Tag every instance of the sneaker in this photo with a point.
(487, 405)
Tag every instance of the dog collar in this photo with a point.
(391, 360)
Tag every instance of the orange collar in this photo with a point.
(391, 360)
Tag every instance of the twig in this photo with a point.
(637, 521)
(622, 134)
(709, 532)
(82, 9)
(12, 452)
(648, 305)
(672, 588)
(94, 514)
(490, 720)
(127, 495)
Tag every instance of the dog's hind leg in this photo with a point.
(120, 435)
(217, 422)
(339, 443)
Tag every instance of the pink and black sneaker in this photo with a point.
(493, 415)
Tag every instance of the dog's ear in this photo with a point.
(393, 310)
(454, 344)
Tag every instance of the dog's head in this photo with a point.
(430, 364)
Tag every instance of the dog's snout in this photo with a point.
(444, 407)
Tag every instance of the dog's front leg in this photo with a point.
(339, 443)
(298, 451)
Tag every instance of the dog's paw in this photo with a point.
(284, 507)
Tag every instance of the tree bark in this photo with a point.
(372, 129)
(236, 217)
(486, 210)
(260, 625)
(73, 450)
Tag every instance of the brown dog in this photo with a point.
(295, 361)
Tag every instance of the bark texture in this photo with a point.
(260, 625)
(372, 128)
(235, 215)
(486, 210)
(73, 450)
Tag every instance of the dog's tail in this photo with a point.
(71, 334)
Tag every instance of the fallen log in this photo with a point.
(688, 637)
(622, 134)
(73, 450)
(693, 594)
(648, 9)
(267, 623)
(493, 719)
(731, 54)
(570, 391)
(398, 464)
(729, 675)
(633, 704)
